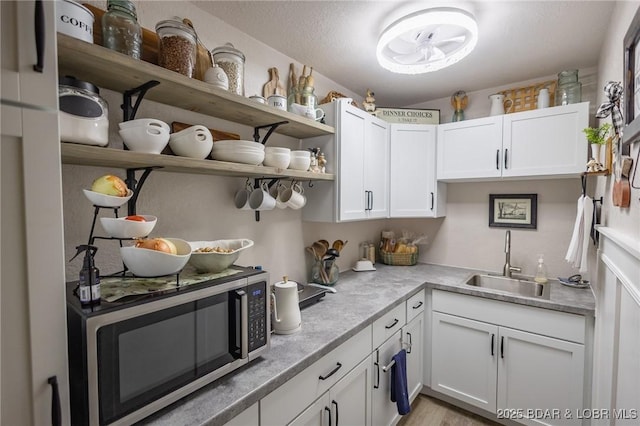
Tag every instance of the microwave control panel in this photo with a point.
(257, 301)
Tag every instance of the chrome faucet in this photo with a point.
(508, 269)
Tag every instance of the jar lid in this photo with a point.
(125, 6)
(228, 48)
(176, 23)
(71, 81)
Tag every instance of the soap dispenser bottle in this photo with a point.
(541, 271)
(89, 277)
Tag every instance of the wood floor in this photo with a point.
(426, 411)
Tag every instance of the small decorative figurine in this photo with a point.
(369, 103)
(322, 162)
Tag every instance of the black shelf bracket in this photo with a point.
(136, 185)
(271, 127)
(129, 110)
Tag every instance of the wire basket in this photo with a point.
(526, 98)
(398, 259)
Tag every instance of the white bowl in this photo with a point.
(143, 122)
(213, 261)
(300, 163)
(103, 200)
(280, 161)
(193, 142)
(300, 153)
(363, 265)
(239, 143)
(236, 149)
(149, 139)
(144, 262)
(277, 150)
(253, 158)
(121, 227)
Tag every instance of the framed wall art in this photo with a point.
(632, 81)
(513, 211)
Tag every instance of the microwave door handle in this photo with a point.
(244, 324)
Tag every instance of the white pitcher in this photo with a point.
(286, 309)
(498, 102)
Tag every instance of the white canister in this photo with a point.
(75, 20)
(277, 101)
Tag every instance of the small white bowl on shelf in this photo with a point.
(193, 142)
(144, 122)
(143, 262)
(150, 139)
(212, 261)
(300, 163)
(250, 157)
(238, 143)
(102, 200)
(121, 227)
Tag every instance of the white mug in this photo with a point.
(543, 98)
(275, 192)
(293, 197)
(314, 114)
(260, 199)
(277, 101)
(241, 199)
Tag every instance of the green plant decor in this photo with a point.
(597, 135)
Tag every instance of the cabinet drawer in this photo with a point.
(415, 305)
(285, 403)
(389, 323)
(560, 325)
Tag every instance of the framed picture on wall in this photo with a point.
(632, 81)
(513, 211)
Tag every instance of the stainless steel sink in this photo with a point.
(520, 287)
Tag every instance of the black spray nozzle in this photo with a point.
(91, 251)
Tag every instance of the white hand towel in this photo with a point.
(575, 238)
(586, 232)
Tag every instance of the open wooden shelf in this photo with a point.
(87, 155)
(602, 173)
(114, 71)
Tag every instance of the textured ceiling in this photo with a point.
(518, 40)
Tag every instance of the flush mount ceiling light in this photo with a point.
(427, 41)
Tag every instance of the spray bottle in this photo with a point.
(541, 271)
(89, 277)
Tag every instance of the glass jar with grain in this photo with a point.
(177, 46)
(231, 60)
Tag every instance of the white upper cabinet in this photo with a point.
(539, 143)
(359, 154)
(413, 189)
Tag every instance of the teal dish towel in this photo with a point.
(399, 392)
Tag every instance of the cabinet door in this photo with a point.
(376, 165)
(470, 149)
(412, 334)
(548, 141)
(412, 170)
(384, 412)
(539, 372)
(317, 414)
(350, 398)
(351, 133)
(464, 360)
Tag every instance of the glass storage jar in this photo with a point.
(177, 46)
(325, 272)
(231, 60)
(569, 90)
(120, 29)
(83, 115)
(305, 97)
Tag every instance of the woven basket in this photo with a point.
(398, 259)
(526, 98)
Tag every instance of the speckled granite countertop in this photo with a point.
(362, 298)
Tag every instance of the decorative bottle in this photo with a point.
(120, 29)
(541, 271)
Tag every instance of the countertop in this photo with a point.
(362, 298)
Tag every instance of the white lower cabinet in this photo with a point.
(533, 378)
(346, 403)
(385, 411)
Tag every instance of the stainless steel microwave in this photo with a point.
(128, 360)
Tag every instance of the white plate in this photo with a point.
(363, 270)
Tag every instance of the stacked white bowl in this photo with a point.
(300, 160)
(278, 157)
(145, 135)
(194, 142)
(238, 151)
